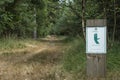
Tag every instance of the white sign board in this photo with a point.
(95, 40)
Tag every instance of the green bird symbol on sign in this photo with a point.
(96, 38)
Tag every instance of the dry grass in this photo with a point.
(36, 61)
(43, 60)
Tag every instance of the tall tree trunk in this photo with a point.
(114, 27)
(83, 17)
(105, 9)
(105, 3)
(35, 33)
(35, 27)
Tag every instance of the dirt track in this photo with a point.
(41, 62)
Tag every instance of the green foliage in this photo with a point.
(74, 58)
(6, 19)
(2, 2)
(39, 3)
(19, 17)
(92, 10)
(68, 23)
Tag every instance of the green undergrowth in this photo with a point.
(74, 60)
(113, 57)
(14, 43)
(10, 43)
(74, 57)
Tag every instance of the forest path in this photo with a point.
(35, 62)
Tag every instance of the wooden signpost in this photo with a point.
(96, 48)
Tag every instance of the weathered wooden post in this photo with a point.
(96, 48)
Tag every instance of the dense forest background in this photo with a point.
(38, 18)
